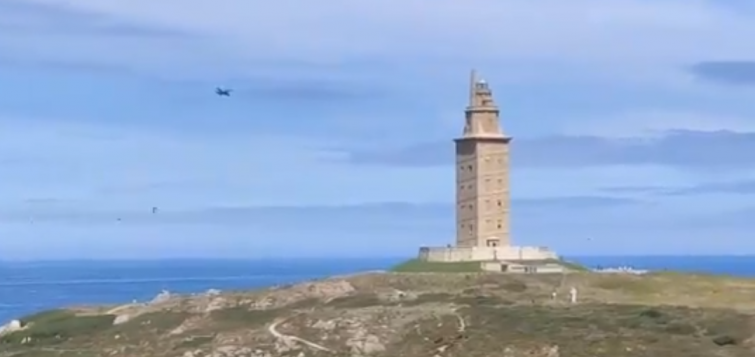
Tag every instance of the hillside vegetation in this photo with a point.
(417, 315)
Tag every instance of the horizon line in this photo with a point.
(341, 258)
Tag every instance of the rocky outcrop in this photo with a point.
(163, 296)
(365, 344)
(12, 326)
(121, 319)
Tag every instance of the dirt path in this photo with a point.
(120, 308)
(274, 331)
(462, 327)
(462, 323)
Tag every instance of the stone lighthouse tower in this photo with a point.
(482, 173)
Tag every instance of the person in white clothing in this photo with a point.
(573, 295)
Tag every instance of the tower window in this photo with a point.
(500, 204)
(469, 167)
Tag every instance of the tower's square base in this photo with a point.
(466, 254)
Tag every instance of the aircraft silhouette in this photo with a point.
(223, 92)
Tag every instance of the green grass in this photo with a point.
(156, 322)
(420, 266)
(45, 316)
(56, 326)
(194, 342)
(580, 331)
(569, 265)
(357, 301)
(242, 316)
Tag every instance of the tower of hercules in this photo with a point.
(482, 173)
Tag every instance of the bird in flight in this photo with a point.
(154, 210)
(223, 92)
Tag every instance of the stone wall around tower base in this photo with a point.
(457, 254)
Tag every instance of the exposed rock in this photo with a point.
(283, 345)
(262, 304)
(231, 351)
(216, 303)
(120, 319)
(363, 345)
(163, 296)
(12, 326)
(325, 325)
(260, 353)
(552, 351)
(508, 352)
(724, 340)
(188, 325)
(399, 295)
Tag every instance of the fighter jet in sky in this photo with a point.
(223, 92)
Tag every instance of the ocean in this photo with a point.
(27, 287)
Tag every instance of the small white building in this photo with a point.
(524, 267)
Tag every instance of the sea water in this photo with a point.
(27, 287)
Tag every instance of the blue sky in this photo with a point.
(633, 122)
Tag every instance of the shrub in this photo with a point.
(194, 342)
(356, 301)
(242, 316)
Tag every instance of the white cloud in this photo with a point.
(636, 38)
(655, 123)
(111, 167)
(121, 166)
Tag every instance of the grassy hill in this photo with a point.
(418, 315)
